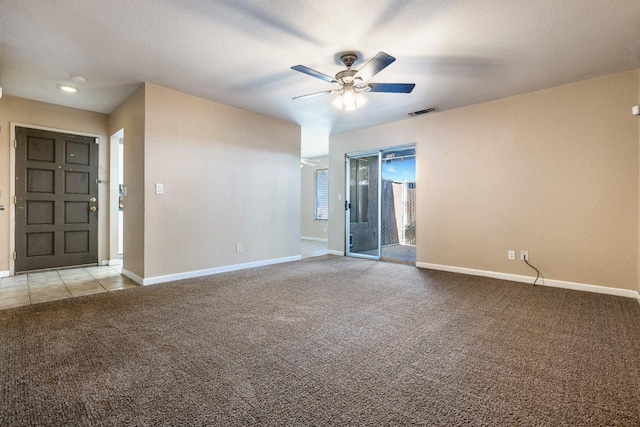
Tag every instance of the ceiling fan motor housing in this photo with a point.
(346, 77)
(348, 59)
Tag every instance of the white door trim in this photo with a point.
(112, 257)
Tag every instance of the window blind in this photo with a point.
(322, 194)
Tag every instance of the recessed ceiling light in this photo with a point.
(66, 88)
(78, 79)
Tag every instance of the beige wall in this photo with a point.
(39, 114)
(130, 117)
(316, 229)
(229, 176)
(554, 172)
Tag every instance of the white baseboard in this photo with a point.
(315, 239)
(4, 273)
(139, 280)
(217, 270)
(528, 279)
(638, 296)
(114, 262)
(339, 253)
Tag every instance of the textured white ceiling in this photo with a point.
(239, 52)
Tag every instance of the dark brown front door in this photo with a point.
(56, 206)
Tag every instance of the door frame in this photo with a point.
(12, 187)
(347, 219)
(115, 140)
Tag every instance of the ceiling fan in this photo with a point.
(352, 83)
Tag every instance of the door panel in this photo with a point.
(41, 150)
(398, 204)
(362, 237)
(56, 206)
(40, 181)
(39, 244)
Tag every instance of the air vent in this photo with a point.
(425, 111)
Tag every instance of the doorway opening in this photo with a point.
(398, 204)
(117, 192)
(381, 204)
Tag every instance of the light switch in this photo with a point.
(159, 188)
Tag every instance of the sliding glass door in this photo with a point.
(380, 204)
(362, 206)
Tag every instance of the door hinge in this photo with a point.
(15, 143)
(15, 255)
(15, 200)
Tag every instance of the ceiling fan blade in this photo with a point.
(392, 87)
(309, 95)
(374, 66)
(314, 73)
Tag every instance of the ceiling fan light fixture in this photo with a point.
(338, 102)
(349, 99)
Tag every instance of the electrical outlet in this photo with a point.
(524, 255)
(511, 255)
(238, 247)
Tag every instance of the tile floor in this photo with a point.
(34, 288)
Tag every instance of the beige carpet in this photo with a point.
(324, 341)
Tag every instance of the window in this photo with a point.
(359, 190)
(322, 194)
(363, 190)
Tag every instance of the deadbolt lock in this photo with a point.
(92, 200)
(93, 209)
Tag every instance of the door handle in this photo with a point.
(93, 209)
(92, 200)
